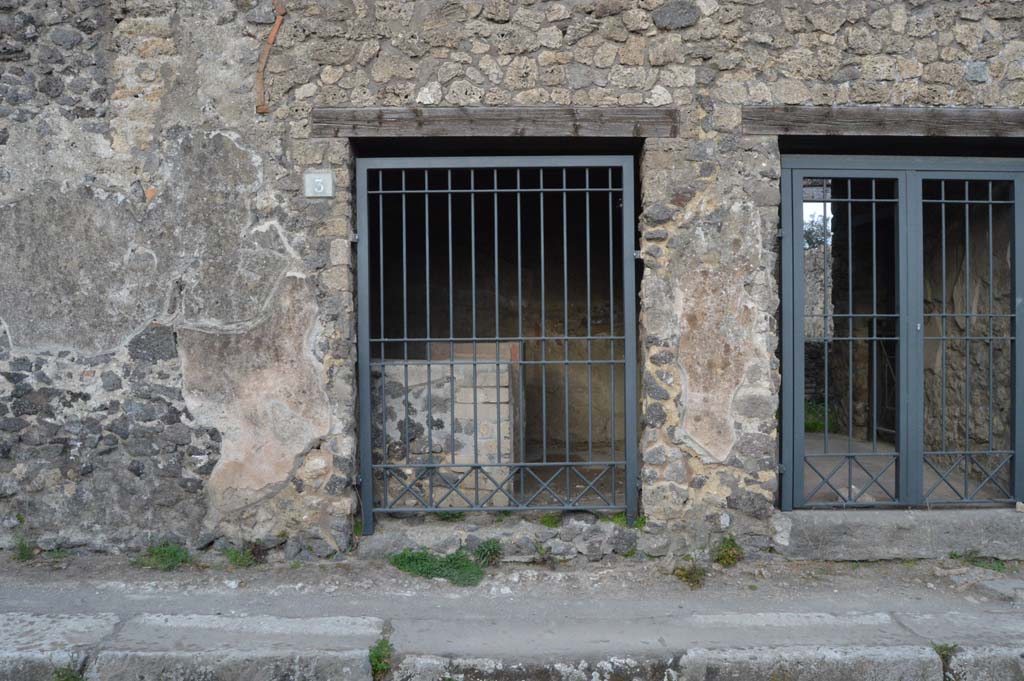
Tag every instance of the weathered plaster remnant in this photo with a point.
(261, 389)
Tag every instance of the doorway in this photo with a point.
(900, 365)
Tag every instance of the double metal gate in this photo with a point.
(496, 334)
(901, 318)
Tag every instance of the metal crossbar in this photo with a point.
(497, 334)
(900, 328)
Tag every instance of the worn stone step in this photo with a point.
(156, 647)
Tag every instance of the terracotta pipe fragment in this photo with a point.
(262, 106)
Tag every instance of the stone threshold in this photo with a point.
(869, 534)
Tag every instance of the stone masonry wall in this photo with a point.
(142, 198)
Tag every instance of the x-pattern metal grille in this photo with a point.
(497, 336)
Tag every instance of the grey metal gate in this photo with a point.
(901, 314)
(496, 334)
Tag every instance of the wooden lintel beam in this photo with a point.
(514, 121)
(870, 120)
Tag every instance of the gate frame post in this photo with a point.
(363, 347)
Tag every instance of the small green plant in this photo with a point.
(380, 658)
(691, 573)
(450, 516)
(19, 518)
(551, 520)
(23, 551)
(502, 516)
(357, 527)
(946, 651)
(620, 520)
(631, 553)
(458, 568)
(295, 564)
(165, 556)
(488, 552)
(68, 672)
(57, 554)
(814, 417)
(727, 552)
(241, 558)
(972, 558)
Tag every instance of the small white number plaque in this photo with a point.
(319, 183)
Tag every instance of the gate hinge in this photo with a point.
(637, 255)
(778, 234)
(355, 237)
(782, 469)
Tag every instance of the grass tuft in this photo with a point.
(380, 658)
(727, 552)
(620, 520)
(692, 573)
(165, 556)
(23, 551)
(67, 673)
(551, 520)
(946, 651)
(57, 554)
(488, 552)
(458, 568)
(240, 558)
(450, 516)
(987, 562)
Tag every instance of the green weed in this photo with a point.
(727, 552)
(450, 516)
(692, 573)
(987, 562)
(488, 552)
(458, 568)
(67, 673)
(550, 520)
(23, 551)
(165, 556)
(241, 558)
(380, 658)
(620, 520)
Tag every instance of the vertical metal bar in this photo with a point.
(451, 327)
(590, 342)
(611, 325)
(828, 290)
(910, 380)
(405, 325)
(789, 311)
(519, 341)
(1018, 336)
(849, 329)
(543, 332)
(429, 347)
(383, 336)
(945, 338)
(565, 328)
(629, 326)
(968, 309)
(472, 290)
(873, 343)
(497, 322)
(363, 340)
(991, 311)
(796, 330)
(611, 310)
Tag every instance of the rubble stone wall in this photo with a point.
(143, 204)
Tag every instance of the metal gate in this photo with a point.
(496, 334)
(901, 314)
